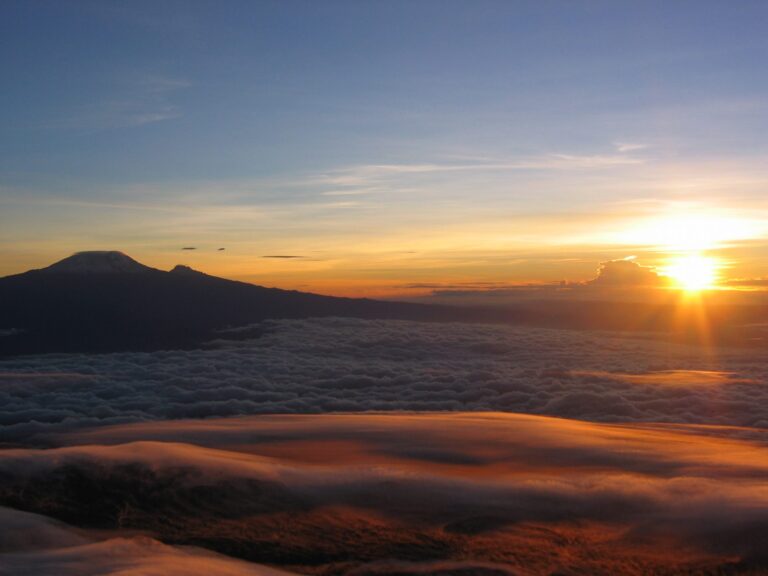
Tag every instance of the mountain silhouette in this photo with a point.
(98, 262)
(107, 301)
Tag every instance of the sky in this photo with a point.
(380, 148)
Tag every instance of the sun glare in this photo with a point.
(692, 272)
(691, 233)
(689, 240)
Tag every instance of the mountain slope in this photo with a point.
(105, 301)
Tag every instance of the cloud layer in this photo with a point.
(627, 272)
(345, 365)
(511, 494)
(33, 544)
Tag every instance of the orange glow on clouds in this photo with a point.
(377, 259)
(686, 231)
(597, 498)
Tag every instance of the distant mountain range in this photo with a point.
(107, 301)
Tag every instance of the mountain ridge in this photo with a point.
(128, 306)
(105, 301)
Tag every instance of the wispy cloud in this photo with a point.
(350, 192)
(137, 102)
(366, 174)
(629, 146)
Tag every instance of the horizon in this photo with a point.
(623, 279)
(353, 153)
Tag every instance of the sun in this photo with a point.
(689, 236)
(692, 272)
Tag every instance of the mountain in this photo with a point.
(107, 301)
(98, 262)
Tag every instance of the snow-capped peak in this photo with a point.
(98, 262)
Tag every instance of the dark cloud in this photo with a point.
(627, 273)
(189, 248)
(283, 256)
(459, 286)
(623, 280)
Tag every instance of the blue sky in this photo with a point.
(457, 133)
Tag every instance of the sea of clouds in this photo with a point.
(349, 365)
(362, 447)
(338, 494)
